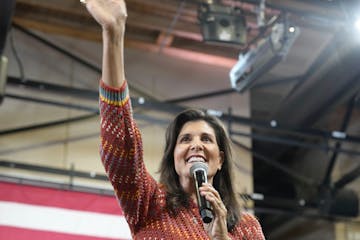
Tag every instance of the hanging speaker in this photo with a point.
(222, 24)
(6, 12)
(344, 203)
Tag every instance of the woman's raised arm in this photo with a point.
(111, 15)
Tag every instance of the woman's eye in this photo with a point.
(206, 139)
(185, 139)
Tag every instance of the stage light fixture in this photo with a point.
(222, 24)
(267, 52)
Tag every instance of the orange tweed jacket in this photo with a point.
(140, 196)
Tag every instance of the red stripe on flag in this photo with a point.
(14, 233)
(59, 198)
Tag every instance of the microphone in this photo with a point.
(199, 171)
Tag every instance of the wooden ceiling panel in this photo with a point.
(150, 26)
(151, 23)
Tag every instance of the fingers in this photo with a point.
(213, 196)
(110, 14)
(218, 226)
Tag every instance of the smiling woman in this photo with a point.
(165, 210)
(196, 136)
(196, 143)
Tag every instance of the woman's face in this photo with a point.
(196, 143)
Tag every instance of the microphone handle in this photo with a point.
(204, 205)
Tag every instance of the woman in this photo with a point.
(165, 210)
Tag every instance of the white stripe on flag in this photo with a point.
(63, 220)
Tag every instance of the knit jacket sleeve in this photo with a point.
(121, 153)
(248, 228)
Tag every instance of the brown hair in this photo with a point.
(176, 196)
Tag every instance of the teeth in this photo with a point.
(196, 159)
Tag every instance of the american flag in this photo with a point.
(29, 212)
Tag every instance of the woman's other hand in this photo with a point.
(217, 229)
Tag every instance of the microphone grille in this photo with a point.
(198, 166)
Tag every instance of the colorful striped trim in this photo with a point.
(114, 96)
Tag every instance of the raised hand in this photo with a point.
(111, 15)
(108, 13)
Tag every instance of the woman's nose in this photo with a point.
(196, 146)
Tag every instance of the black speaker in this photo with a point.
(341, 202)
(6, 12)
(345, 203)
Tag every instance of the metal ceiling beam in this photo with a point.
(288, 171)
(51, 170)
(282, 140)
(72, 56)
(306, 104)
(347, 178)
(294, 142)
(302, 213)
(47, 124)
(94, 110)
(33, 145)
(54, 103)
(314, 67)
(231, 90)
(174, 109)
(58, 48)
(53, 88)
(201, 96)
(287, 129)
(344, 125)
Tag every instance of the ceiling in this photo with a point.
(296, 105)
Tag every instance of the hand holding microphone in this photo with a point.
(199, 172)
